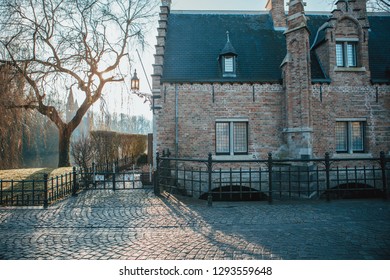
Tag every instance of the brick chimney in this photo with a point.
(361, 5)
(297, 80)
(349, 6)
(166, 3)
(276, 8)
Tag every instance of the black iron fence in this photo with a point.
(116, 165)
(116, 179)
(119, 175)
(38, 192)
(269, 179)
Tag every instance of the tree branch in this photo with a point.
(385, 2)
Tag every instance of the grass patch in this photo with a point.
(32, 177)
(24, 174)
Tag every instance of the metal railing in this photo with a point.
(38, 192)
(268, 179)
(47, 190)
(116, 180)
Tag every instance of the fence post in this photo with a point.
(327, 170)
(210, 171)
(156, 175)
(74, 183)
(113, 177)
(270, 178)
(150, 172)
(94, 174)
(45, 194)
(383, 167)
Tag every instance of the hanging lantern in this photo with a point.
(135, 82)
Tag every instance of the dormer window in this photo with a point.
(346, 53)
(228, 59)
(228, 64)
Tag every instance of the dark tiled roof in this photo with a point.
(317, 73)
(379, 48)
(228, 49)
(317, 35)
(195, 41)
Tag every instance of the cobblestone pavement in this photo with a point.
(134, 224)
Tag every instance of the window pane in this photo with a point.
(341, 136)
(357, 136)
(229, 64)
(339, 55)
(222, 138)
(240, 135)
(351, 51)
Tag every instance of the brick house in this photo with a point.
(297, 84)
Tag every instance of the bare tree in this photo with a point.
(58, 44)
(83, 151)
(374, 5)
(379, 5)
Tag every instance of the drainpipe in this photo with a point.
(176, 133)
(176, 121)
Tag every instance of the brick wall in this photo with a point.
(198, 112)
(364, 102)
(199, 109)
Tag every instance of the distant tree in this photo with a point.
(141, 125)
(374, 5)
(12, 121)
(132, 145)
(83, 151)
(58, 44)
(110, 145)
(106, 145)
(40, 140)
(124, 123)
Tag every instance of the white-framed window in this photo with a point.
(229, 64)
(346, 53)
(350, 136)
(231, 137)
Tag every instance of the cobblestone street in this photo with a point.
(135, 224)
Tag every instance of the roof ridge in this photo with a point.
(222, 12)
(377, 14)
(254, 12)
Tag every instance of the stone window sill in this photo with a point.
(350, 69)
(233, 157)
(352, 156)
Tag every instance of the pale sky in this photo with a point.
(137, 107)
(259, 5)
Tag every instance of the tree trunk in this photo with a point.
(64, 146)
